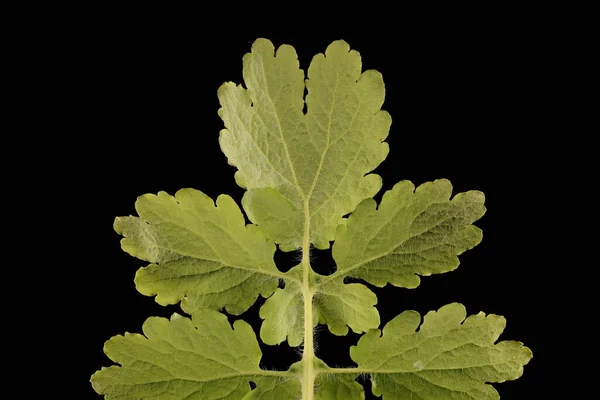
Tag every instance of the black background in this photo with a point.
(465, 105)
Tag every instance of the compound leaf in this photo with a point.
(303, 172)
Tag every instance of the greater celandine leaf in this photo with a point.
(411, 233)
(298, 166)
(202, 254)
(303, 172)
(183, 359)
(449, 357)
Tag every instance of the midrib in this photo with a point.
(308, 378)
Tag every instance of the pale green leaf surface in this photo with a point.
(303, 173)
(449, 357)
(203, 255)
(283, 315)
(276, 214)
(183, 359)
(411, 233)
(335, 304)
(317, 161)
(338, 387)
(275, 389)
(341, 305)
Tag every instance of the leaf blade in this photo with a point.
(448, 357)
(202, 253)
(306, 158)
(412, 232)
(177, 359)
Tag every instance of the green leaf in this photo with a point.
(449, 357)
(335, 304)
(315, 163)
(203, 255)
(341, 305)
(304, 172)
(275, 389)
(283, 315)
(413, 232)
(275, 214)
(198, 359)
(338, 387)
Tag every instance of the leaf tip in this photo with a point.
(225, 86)
(263, 45)
(119, 225)
(337, 46)
(176, 316)
(239, 180)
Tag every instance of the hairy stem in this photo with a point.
(308, 380)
